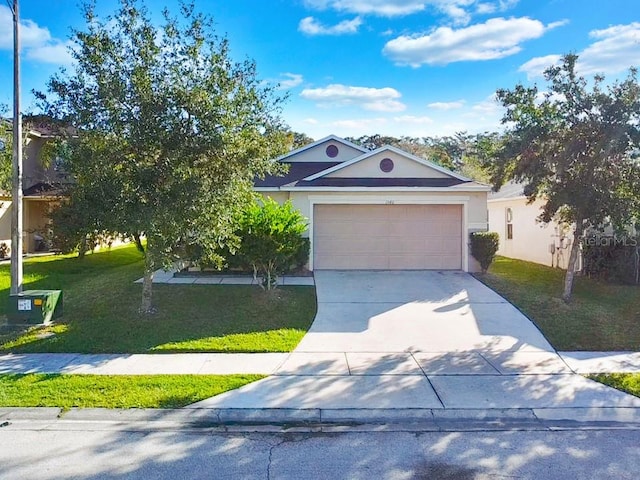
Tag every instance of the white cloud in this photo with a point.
(486, 8)
(553, 97)
(614, 50)
(496, 38)
(36, 41)
(534, 67)
(310, 121)
(493, 39)
(413, 120)
(446, 105)
(359, 125)
(489, 105)
(458, 10)
(484, 115)
(290, 80)
(311, 26)
(479, 115)
(385, 8)
(31, 34)
(373, 99)
(56, 52)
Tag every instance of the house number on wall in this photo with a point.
(389, 202)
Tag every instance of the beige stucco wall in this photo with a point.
(5, 221)
(531, 239)
(279, 197)
(34, 219)
(318, 153)
(403, 168)
(475, 203)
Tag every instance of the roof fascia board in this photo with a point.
(470, 188)
(390, 148)
(335, 138)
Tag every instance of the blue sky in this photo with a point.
(355, 67)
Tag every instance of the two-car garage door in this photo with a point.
(387, 237)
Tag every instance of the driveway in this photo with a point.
(419, 339)
(415, 311)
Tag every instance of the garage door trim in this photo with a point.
(393, 200)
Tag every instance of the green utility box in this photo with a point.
(34, 307)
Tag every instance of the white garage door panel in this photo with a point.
(400, 237)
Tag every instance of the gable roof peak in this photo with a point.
(396, 150)
(328, 138)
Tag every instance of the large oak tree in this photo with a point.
(575, 146)
(170, 131)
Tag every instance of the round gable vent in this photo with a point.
(386, 165)
(332, 151)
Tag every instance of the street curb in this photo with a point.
(328, 420)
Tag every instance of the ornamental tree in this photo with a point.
(170, 131)
(574, 145)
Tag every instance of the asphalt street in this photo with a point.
(99, 451)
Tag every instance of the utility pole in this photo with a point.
(16, 194)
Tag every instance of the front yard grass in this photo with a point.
(101, 303)
(600, 316)
(121, 391)
(627, 382)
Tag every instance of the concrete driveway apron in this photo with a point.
(419, 339)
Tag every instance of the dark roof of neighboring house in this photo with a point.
(297, 171)
(380, 182)
(45, 189)
(42, 126)
(508, 190)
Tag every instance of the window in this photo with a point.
(332, 151)
(386, 165)
(509, 218)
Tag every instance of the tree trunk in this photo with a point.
(146, 307)
(573, 258)
(82, 249)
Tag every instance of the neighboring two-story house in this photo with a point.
(43, 183)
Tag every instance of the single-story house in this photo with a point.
(384, 209)
(522, 235)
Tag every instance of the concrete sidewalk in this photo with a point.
(143, 364)
(379, 391)
(335, 364)
(167, 277)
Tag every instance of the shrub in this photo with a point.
(271, 239)
(484, 246)
(611, 258)
(302, 256)
(5, 250)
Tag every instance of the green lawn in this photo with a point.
(600, 316)
(86, 391)
(627, 382)
(101, 302)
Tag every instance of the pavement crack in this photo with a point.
(346, 359)
(270, 460)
